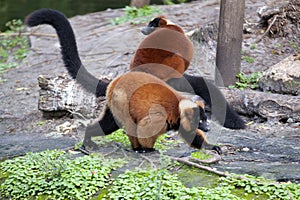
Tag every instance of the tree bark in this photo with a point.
(273, 107)
(228, 58)
(61, 95)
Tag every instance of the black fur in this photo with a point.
(69, 49)
(211, 94)
(154, 23)
(75, 68)
(197, 141)
(143, 150)
(203, 125)
(151, 26)
(105, 126)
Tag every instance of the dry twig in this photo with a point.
(82, 150)
(206, 168)
(27, 34)
(113, 151)
(267, 31)
(149, 160)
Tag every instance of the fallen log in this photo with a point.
(269, 106)
(61, 95)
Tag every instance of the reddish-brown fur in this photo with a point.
(167, 46)
(145, 106)
(166, 53)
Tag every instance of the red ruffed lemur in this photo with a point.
(147, 107)
(166, 53)
(108, 123)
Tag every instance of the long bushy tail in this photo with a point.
(211, 94)
(69, 49)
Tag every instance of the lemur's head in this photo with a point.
(157, 22)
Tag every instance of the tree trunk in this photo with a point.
(228, 59)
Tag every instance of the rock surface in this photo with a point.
(283, 78)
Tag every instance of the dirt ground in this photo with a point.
(270, 149)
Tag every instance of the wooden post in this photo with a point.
(228, 58)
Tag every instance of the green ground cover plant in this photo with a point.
(53, 174)
(161, 184)
(201, 155)
(247, 81)
(248, 59)
(136, 15)
(164, 142)
(261, 186)
(14, 47)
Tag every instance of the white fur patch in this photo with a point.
(169, 22)
(185, 103)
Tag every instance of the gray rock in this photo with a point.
(283, 77)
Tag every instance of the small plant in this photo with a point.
(253, 46)
(165, 142)
(247, 81)
(295, 46)
(201, 155)
(54, 175)
(5, 66)
(117, 136)
(134, 15)
(248, 59)
(277, 45)
(14, 46)
(168, 2)
(171, 2)
(40, 123)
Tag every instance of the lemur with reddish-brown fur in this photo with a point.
(147, 107)
(166, 53)
(167, 46)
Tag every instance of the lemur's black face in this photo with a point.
(151, 26)
(154, 22)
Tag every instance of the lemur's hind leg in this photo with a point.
(137, 147)
(150, 127)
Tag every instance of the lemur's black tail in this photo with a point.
(69, 49)
(211, 94)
